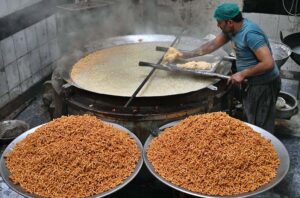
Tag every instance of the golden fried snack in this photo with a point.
(214, 154)
(201, 65)
(74, 156)
(171, 55)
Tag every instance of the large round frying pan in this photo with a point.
(66, 63)
(293, 41)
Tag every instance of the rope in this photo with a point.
(290, 11)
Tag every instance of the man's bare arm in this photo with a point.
(265, 63)
(207, 47)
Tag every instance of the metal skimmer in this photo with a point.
(151, 72)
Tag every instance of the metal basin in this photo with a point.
(281, 172)
(17, 188)
(281, 52)
(10, 129)
(290, 108)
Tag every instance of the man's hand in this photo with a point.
(236, 78)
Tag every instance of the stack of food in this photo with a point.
(74, 156)
(214, 154)
(171, 55)
(197, 65)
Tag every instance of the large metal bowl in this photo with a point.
(291, 107)
(10, 129)
(281, 172)
(17, 188)
(281, 52)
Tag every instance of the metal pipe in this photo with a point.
(200, 73)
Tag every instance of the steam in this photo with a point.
(123, 17)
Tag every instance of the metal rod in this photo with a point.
(161, 49)
(175, 69)
(151, 72)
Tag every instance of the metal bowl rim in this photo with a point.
(282, 93)
(17, 121)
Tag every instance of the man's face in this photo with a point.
(226, 26)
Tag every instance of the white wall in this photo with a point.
(10, 6)
(196, 16)
(26, 57)
(272, 25)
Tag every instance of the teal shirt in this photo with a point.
(246, 42)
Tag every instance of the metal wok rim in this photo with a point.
(281, 172)
(4, 172)
(287, 40)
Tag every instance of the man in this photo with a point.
(254, 62)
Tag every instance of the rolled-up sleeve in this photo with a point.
(255, 40)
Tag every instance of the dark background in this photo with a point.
(270, 6)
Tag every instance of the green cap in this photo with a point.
(226, 11)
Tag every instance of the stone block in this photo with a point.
(8, 50)
(3, 8)
(54, 49)
(20, 43)
(25, 85)
(24, 67)
(31, 37)
(12, 75)
(51, 27)
(4, 100)
(37, 77)
(35, 61)
(3, 83)
(12, 5)
(1, 61)
(15, 92)
(45, 55)
(41, 30)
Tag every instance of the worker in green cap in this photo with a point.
(254, 62)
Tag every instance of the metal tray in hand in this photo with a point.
(174, 68)
(209, 58)
(281, 171)
(17, 188)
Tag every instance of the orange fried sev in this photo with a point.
(74, 156)
(213, 154)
